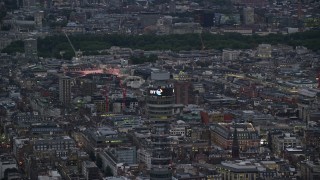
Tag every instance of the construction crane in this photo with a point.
(78, 53)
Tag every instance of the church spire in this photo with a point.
(235, 143)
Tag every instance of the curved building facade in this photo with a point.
(160, 108)
(161, 153)
(160, 102)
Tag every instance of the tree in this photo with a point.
(108, 171)
(52, 46)
(15, 46)
(152, 58)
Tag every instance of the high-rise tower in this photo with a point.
(160, 96)
(160, 101)
(161, 153)
(65, 90)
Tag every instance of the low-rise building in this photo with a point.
(144, 156)
(264, 51)
(178, 129)
(247, 169)
(100, 137)
(230, 55)
(286, 140)
(118, 158)
(6, 162)
(90, 170)
(222, 135)
(310, 170)
(59, 145)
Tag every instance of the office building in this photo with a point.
(183, 92)
(162, 97)
(144, 156)
(6, 162)
(286, 140)
(230, 55)
(248, 169)
(90, 170)
(222, 134)
(60, 146)
(65, 90)
(242, 170)
(101, 137)
(118, 157)
(312, 138)
(100, 104)
(310, 170)
(264, 51)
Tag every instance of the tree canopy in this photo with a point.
(59, 47)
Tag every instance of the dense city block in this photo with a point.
(159, 89)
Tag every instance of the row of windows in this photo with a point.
(162, 108)
(177, 133)
(160, 102)
(161, 97)
(54, 143)
(169, 176)
(166, 113)
(41, 143)
(54, 147)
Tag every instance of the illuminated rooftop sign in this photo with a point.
(161, 92)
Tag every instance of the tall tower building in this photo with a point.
(160, 101)
(161, 154)
(65, 90)
(160, 96)
(30, 48)
(248, 15)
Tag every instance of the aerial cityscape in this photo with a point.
(159, 89)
